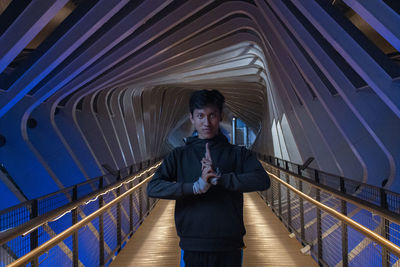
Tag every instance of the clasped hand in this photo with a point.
(207, 169)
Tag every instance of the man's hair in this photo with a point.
(202, 98)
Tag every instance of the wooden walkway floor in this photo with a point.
(267, 240)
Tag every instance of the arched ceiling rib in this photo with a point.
(116, 75)
(99, 64)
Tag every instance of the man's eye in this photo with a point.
(199, 116)
(212, 116)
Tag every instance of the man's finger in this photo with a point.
(205, 161)
(206, 170)
(208, 155)
(210, 175)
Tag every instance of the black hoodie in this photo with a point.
(212, 221)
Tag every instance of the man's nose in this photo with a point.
(207, 121)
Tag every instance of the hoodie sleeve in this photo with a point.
(164, 185)
(253, 177)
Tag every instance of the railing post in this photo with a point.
(75, 256)
(289, 222)
(319, 225)
(272, 195)
(384, 229)
(302, 230)
(131, 209)
(34, 236)
(119, 227)
(279, 196)
(140, 194)
(345, 257)
(101, 227)
(147, 196)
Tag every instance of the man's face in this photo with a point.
(206, 121)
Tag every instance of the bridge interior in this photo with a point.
(95, 91)
(267, 240)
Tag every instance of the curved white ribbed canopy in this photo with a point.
(108, 82)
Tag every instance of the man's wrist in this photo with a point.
(200, 186)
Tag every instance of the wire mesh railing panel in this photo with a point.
(329, 180)
(332, 242)
(393, 202)
(284, 203)
(145, 203)
(98, 238)
(293, 167)
(87, 188)
(295, 210)
(59, 255)
(110, 229)
(137, 199)
(369, 194)
(394, 232)
(110, 196)
(393, 260)
(14, 249)
(352, 209)
(7, 255)
(310, 225)
(109, 179)
(55, 227)
(351, 187)
(362, 250)
(331, 239)
(296, 216)
(367, 219)
(125, 222)
(15, 217)
(309, 173)
(45, 233)
(275, 201)
(88, 240)
(54, 201)
(89, 207)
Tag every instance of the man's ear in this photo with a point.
(191, 117)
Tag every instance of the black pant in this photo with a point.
(213, 259)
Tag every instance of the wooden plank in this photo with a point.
(155, 243)
(267, 241)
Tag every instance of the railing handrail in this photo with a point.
(395, 217)
(382, 210)
(66, 189)
(35, 223)
(333, 175)
(347, 220)
(69, 231)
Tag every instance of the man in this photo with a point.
(207, 177)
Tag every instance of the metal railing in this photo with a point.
(339, 228)
(120, 204)
(373, 196)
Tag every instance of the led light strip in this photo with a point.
(94, 199)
